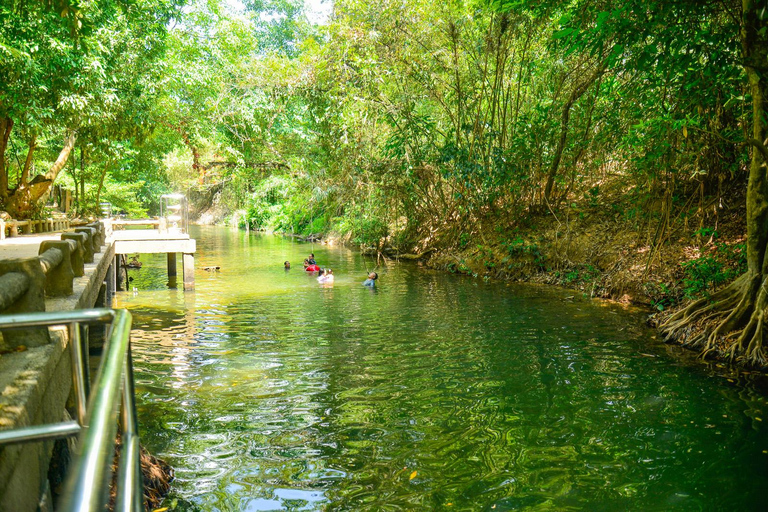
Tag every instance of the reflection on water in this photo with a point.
(432, 392)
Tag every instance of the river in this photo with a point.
(266, 391)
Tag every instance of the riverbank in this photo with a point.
(659, 256)
(607, 253)
(632, 248)
(614, 250)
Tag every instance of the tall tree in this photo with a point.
(68, 66)
(738, 312)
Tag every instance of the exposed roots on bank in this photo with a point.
(156, 473)
(729, 323)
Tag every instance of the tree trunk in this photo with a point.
(21, 202)
(28, 163)
(58, 165)
(6, 125)
(739, 310)
(576, 93)
(101, 182)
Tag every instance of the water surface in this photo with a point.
(267, 391)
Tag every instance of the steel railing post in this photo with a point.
(78, 378)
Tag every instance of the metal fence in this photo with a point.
(97, 412)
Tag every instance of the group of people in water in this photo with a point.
(325, 275)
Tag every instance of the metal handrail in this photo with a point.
(88, 481)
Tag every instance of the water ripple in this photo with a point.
(432, 392)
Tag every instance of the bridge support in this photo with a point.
(153, 242)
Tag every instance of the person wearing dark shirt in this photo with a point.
(371, 281)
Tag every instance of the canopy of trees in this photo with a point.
(406, 123)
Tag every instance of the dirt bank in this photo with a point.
(612, 250)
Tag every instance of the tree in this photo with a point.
(735, 316)
(72, 67)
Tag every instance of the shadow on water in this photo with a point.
(268, 392)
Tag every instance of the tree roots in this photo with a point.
(730, 323)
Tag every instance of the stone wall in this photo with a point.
(35, 385)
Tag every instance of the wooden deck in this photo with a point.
(153, 241)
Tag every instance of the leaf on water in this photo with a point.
(413, 475)
(160, 509)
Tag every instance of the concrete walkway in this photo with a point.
(25, 246)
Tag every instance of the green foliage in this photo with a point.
(464, 239)
(363, 225)
(662, 295)
(268, 202)
(719, 265)
(518, 247)
(578, 275)
(80, 71)
(126, 197)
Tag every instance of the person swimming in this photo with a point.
(371, 281)
(326, 276)
(287, 265)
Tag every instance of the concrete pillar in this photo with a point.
(99, 237)
(111, 283)
(58, 279)
(26, 228)
(78, 254)
(116, 263)
(30, 299)
(171, 264)
(87, 244)
(121, 271)
(67, 201)
(188, 262)
(107, 227)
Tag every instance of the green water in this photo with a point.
(432, 392)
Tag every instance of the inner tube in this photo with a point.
(312, 268)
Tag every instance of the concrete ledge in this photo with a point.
(34, 386)
(85, 288)
(58, 280)
(33, 299)
(155, 246)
